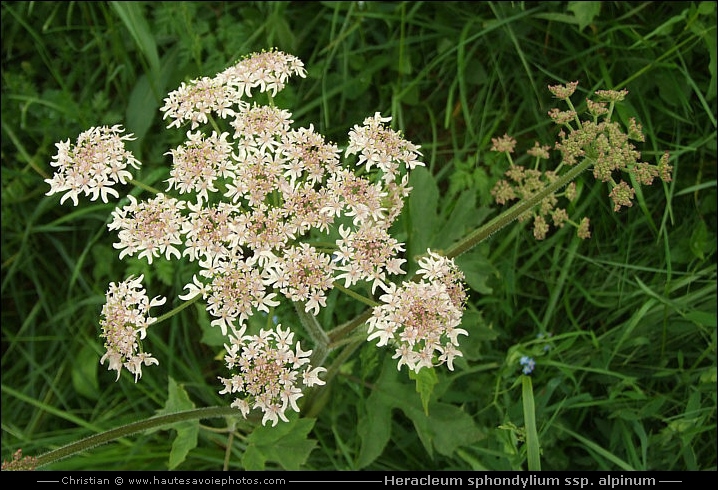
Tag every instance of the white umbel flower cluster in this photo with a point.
(421, 319)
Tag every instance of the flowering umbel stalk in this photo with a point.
(265, 212)
(595, 141)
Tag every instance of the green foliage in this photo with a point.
(426, 380)
(532, 439)
(286, 444)
(441, 427)
(187, 431)
(622, 326)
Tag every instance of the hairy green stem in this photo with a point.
(177, 309)
(145, 187)
(323, 342)
(316, 332)
(338, 334)
(319, 396)
(514, 212)
(133, 428)
(476, 237)
(355, 295)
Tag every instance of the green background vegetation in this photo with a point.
(622, 326)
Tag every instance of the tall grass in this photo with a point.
(622, 326)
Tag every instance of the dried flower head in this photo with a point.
(665, 170)
(596, 109)
(611, 95)
(524, 183)
(583, 231)
(563, 91)
(622, 195)
(599, 141)
(504, 144)
(539, 151)
(20, 462)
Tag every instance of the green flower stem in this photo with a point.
(177, 309)
(355, 295)
(133, 428)
(211, 120)
(230, 444)
(338, 334)
(318, 397)
(571, 107)
(144, 186)
(316, 332)
(505, 218)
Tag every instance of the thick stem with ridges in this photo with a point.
(133, 428)
(508, 216)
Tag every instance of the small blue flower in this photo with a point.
(540, 336)
(528, 363)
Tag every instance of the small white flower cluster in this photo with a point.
(125, 318)
(93, 165)
(196, 100)
(382, 147)
(421, 319)
(265, 372)
(150, 227)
